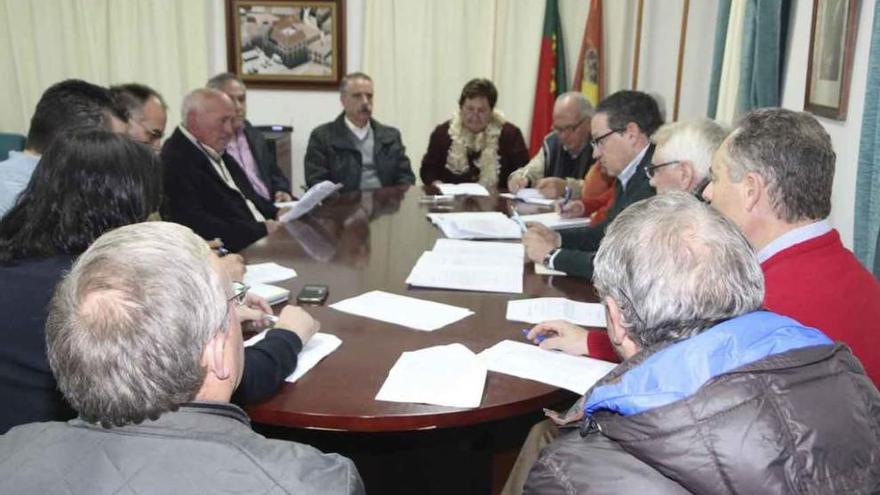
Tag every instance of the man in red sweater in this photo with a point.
(772, 176)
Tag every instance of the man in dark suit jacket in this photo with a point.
(205, 189)
(621, 131)
(355, 150)
(248, 146)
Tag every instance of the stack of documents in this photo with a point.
(266, 273)
(447, 375)
(316, 349)
(530, 196)
(271, 293)
(470, 265)
(467, 188)
(401, 310)
(556, 222)
(476, 225)
(575, 373)
(556, 308)
(309, 200)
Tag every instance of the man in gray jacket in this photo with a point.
(714, 394)
(145, 343)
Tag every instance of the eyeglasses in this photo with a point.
(152, 134)
(598, 141)
(239, 293)
(651, 170)
(568, 128)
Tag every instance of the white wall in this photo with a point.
(304, 110)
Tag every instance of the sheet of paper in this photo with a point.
(556, 308)
(271, 293)
(543, 270)
(286, 204)
(317, 348)
(466, 188)
(402, 310)
(476, 225)
(554, 221)
(266, 273)
(529, 195)
(575, 373)
(485, 248)
(447, 375)
(310, 199)
(468, 272)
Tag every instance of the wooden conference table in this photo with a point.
(360, 242)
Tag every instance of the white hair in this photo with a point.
(691, 140)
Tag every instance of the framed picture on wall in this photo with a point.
(832, 43)
(286, 44)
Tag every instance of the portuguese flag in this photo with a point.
(590, 74)
(551, 76)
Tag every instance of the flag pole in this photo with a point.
(681, 46)
(638, 47)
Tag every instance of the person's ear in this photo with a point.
(214, 356)
(616, 330)
(687, 174)
(752, 190)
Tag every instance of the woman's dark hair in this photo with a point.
(476, 88)
(87, 182)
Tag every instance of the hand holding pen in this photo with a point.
(559, 335)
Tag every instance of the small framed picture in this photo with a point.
(286, 44)
(832, 43)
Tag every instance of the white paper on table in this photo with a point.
(556, 222)
(465, 188)
(317, 348)
(575, 373)
(484, 248)
(529, 195)
(310, 199)
(402, 310)
(476, 225)
(468, 272)
(266, 273)
(271, 293)
(556, 308)
(286, 204)
(543, 270)
(446, 375)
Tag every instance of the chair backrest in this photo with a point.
(10, 142)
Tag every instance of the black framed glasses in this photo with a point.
(596, 142)
(651, 170)
(568, 128)
(239, 293)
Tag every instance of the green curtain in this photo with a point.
(762, 53)
(718, 55)
(867, 209)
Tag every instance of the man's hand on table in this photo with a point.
(298, 321)
(560, 335)
(539, 240)
(551, 187)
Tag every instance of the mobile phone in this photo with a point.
(312, 294)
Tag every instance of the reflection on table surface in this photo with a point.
(365, 241)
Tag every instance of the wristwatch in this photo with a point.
(549, 257)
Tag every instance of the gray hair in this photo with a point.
(221, 79)
(676, 267)
(691, 140)
(128, 325)
(195, 100)
(793, 153)
(343, 84)
(584, 107)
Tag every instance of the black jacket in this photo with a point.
(579, 246)
(332, 155)
(197, 197)
(264, 156)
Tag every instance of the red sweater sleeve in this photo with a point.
(599, 346)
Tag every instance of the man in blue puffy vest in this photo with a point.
(714, 394)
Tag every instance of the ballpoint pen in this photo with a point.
(514, 215)
(567, 197)
(538, 339)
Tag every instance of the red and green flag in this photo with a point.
(590, 73)
(551, 76)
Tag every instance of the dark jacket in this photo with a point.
(332, 155)
(264, 156)
(512, 154)
(197, 197)
(579, 246)
(560, 163)
(203, 447)
(27, 385)
(802, 419)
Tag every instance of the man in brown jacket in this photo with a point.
(714, 395)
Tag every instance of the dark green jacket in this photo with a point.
(332, 155)
(579, 246)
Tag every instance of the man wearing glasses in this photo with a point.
(566, 154)
(621, 131)
(682, 155)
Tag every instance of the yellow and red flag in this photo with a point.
(589, 76)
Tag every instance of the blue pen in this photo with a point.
(515, 216)
(538, 339)
(567, 197)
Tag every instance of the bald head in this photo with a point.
(208, 114)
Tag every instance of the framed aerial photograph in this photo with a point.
(832, 44)
(286, 44)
